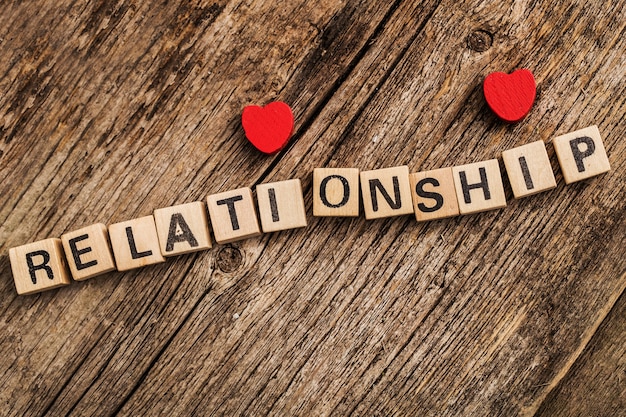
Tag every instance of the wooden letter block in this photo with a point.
(39, 266)
(281, 205)
(528, 168)
(88, 251)
(183, 228)
(386, 192)
(479, 187)
(581, 154)
(135, 243)
(336, 192)
(434, 195)
(233, 215)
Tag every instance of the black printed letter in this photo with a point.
(469, 187)
(346, 191)
(77, 252)
(32, 268)
(230, 202)
(578, 155)
(177, 221)
(419, 189)
(394, 204)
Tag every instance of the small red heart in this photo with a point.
(510, 96)
(268, 128)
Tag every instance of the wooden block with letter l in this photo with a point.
(434, 195)
(39, 266)
(581, 154)
(135, 243)
(183, 228)
(479, 187)
(336, 192)
(88, 251)
(233, 215)
(386, 192)
(281, 205)
(529, 169)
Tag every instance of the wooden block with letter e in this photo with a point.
(528, 168)
(281, 205)
(386, 192)
(479, 187)
(135, 243)
(183, 228)
(88, 251)
(581, 154)
(434, 195)
(233, 215)
(336, 192)
(39, 266)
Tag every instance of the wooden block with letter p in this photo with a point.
(479, 187)
(39, 266)
(581, 154)
(281, 205)
(434, 195)
(135, 243)
(183, 228)
(336, 192)
(233, 215)
(529, 169)
(386, 192)
(88, 251)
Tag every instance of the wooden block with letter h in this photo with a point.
(479, 187)
(39, 266)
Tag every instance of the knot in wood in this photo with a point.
(229, 259)
(480, 40)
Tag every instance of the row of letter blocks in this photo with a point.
(430, 195)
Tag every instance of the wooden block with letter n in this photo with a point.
(434, 195)
(386, 192)
(281, 205)
(39, 266)
(479, 187)
(233, 215)
(88, 251)
(336, 192)
(581, 154)
(529, 169)
(183, 228)
(135, 243)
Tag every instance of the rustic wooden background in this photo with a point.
(109, 110)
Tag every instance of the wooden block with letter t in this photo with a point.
(281, 205)
(386, 192)
(135, 243)
(88, 251)
(39, 266)
(479, 187)
(183, 228)
(233, 215)
(529, 169)
(336, 192)
(434, 195)
(581, 154)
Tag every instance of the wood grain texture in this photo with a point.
(111, 110)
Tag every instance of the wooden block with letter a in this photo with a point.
(39, 266)
(88, 251)
(183, 228)
(529, 169)
(581, 154)
(434, 195)
(233, 215)
(281, 205)
(336, 192)
(135, 243)
(479, 187)
(386, 192)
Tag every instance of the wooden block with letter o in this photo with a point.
(233, 215)
(581, 154)
(434, 195)
(39, 266)
(386, 192)
(183, 228)
(88, 251)
(135, 243)
(479, 187)
(336, 192)
(281, 205)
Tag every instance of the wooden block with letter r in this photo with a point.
(434, 195)
(88, 251)
(581, 154)
(233, 215)
(135, 243)
(479, 187)
(183, 228)
(386, 192)
(39, 266)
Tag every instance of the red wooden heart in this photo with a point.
(268, 128)
(510, 96)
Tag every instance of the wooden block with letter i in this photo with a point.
(135, 243)
(529, 169)
(88, 251)
(281, 205)
(39, 266)
(183, 228)
(386, 192)
(233, 215)
(581, 154)
(434, 195)
(336, 192)
(479, 187)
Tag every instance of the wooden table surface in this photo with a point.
(109, 110)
